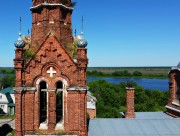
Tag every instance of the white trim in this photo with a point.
(43, 126)
(172, 108)
(174, 103)
(49, 4)
(76, 88)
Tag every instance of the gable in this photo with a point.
(51, 52)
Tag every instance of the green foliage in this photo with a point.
(95, 73)
(137, 73)
(124, 73)
(28, 54)
(111, 98)
(107, 98)
(74, 49)
(7, 71)
(7, 81)
(64, 2)
(7, 116)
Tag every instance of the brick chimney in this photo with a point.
(130, 102)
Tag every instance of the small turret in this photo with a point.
(82, 57)
(18, 61)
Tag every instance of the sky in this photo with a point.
(120, 33)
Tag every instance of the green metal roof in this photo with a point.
(7, 90)
(8, 96)
(11, 105)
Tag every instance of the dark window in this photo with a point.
(59, 101)
(43, 102)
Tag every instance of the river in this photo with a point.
(152, 84)
(159, 84)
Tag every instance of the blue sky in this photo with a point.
(119, 32)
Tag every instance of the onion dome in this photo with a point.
(19, 43)
(82, 43)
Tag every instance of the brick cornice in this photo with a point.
(20, 89)
(50, 5)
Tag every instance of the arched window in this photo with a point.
(43, 102)
(59, 101)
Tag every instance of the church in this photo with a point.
(50, 86)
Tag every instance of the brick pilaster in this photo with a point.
(51, 110)
(29, 112)
(18, 115)
(37, 110)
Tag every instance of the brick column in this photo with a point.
(51, 110)
(172, 88)
(82, 64)
(18, 65)
(18, 114)
(130, 103)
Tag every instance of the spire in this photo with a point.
(75, 33)
(20, 26)
(82, 27)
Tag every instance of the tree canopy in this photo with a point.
(111, 98)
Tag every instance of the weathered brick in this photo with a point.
(51, 32)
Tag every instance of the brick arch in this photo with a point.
(64, 80)
(40, 79)
(47, 66)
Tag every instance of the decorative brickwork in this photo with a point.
(51, 63)
(129, 103)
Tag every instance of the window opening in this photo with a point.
(59, 101)
(43, 102)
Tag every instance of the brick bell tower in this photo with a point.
(50, 86)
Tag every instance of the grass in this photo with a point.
(7, 116)
(147, 72)
(143, 70)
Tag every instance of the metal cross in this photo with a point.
(51, 72)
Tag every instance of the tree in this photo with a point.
(111, 98)
(137, 73)
(8, 81)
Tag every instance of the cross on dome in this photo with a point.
(51, 71)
